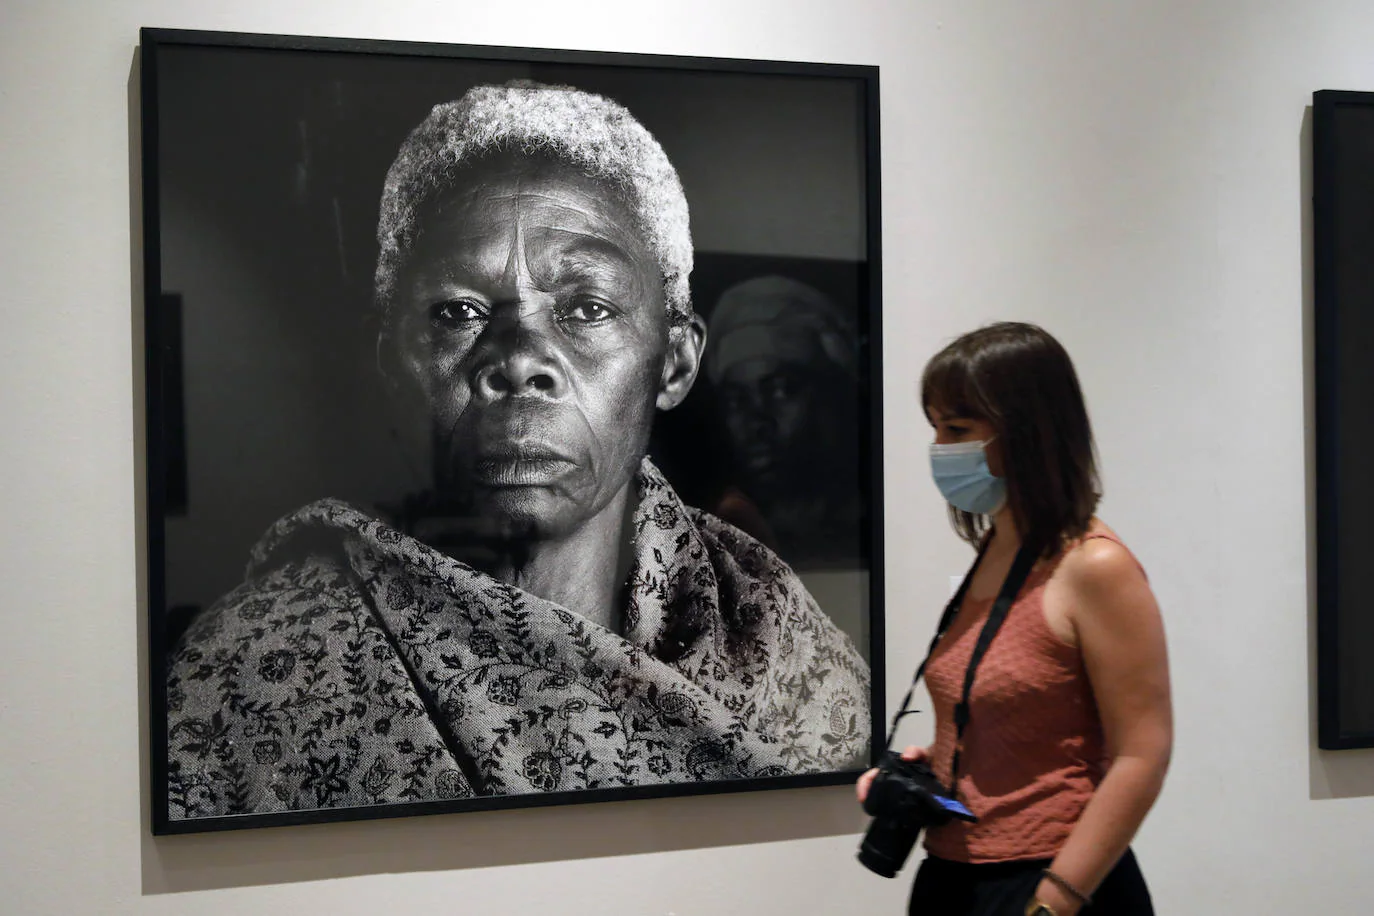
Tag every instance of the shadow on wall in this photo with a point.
(1331, 774)
(175, 864)
(281, 855)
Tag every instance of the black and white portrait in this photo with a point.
(475, 473)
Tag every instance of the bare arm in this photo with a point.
(1121, 635)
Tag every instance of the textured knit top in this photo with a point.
(1034, 751)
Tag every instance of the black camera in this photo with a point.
(904, 799)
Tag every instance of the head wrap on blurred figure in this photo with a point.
(781, 319)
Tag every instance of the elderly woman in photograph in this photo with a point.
(573, 625)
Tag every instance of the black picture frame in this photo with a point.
(1343, 324)
(176, 400)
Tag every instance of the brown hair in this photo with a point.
(1020, 380)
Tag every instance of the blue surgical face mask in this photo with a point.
(961, 472)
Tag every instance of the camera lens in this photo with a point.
(886, 846)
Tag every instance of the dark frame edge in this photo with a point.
(1326, 336)
(397, 47)
(877, 661)
(155, 458)
(305, 817)
(151, 39)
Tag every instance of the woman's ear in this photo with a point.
(685, 343)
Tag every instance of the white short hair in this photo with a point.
(589, 132)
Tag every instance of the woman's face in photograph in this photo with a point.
(531, 316)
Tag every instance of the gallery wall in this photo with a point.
(1134, 177)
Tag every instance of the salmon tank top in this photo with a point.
(1034, 751)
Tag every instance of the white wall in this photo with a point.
(1130, 175)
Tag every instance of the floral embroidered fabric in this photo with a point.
(357, 666)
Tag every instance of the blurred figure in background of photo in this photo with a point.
(783, 359)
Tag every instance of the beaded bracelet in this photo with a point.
(1068, 888)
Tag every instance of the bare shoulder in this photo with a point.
(1106, 584)
(1093, 572)
(1096, 564)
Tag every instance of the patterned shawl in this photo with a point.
(357, 666)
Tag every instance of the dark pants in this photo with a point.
(945, 888)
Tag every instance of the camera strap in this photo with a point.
(1011, 587)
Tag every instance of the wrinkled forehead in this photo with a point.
(531, 179)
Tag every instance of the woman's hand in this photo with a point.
(912, 753)
(1052, 894)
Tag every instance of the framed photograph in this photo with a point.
(1343, 230)
(514, 426)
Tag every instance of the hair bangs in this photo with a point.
(949, 385)
(1020, 379)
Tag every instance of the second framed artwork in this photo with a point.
(514, 426)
